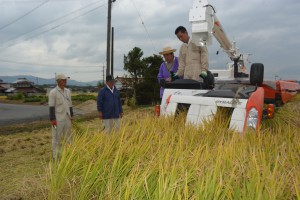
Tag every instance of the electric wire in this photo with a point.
(48, 23)
(21, 17)
(57, 26)
(47, 65)
(144, 25)
(31, 1)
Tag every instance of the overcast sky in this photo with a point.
(44, 37)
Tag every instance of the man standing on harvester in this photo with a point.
(193, 60)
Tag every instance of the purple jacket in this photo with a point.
(163, 73)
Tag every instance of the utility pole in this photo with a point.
(108, 37)
(112, 51)
(103, 74)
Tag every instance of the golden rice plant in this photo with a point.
(161, 158)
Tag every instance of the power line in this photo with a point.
(57, 26)
(21, 17)
(31, 1)
(144, 25)
(50, 22)
(45, 65)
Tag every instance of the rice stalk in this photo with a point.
(151, 158)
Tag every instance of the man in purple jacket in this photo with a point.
(168, 68)
(109, 105)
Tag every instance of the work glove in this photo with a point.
(203, 74)
(174, 77)
(53, 123)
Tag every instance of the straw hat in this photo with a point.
(167, 50)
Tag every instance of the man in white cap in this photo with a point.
(61, 113)
(168, 68)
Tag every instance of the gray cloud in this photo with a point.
(265, 28)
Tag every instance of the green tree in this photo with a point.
(134, 64)
(152, 67)
(100, 84)
(144, 72)
(150, 83)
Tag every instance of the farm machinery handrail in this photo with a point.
(250, 98)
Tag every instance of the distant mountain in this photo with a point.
(44, 81)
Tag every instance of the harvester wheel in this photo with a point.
(257, 74)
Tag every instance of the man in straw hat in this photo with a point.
(168, 68)
(193, 60)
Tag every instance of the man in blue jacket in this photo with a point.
(109, 105)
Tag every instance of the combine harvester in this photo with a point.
(249, 98)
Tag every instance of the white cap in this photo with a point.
(61, 76)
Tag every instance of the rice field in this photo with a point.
(160, 158)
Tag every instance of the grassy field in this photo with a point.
(23, 158)
(154, 158)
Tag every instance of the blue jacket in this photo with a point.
(109, 103)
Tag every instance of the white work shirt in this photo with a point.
(61, 100)
(187, 44)
(112, 90)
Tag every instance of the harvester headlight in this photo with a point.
(252, 118)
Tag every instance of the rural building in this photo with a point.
(22, 85)
(3, 87)
(125, 82)
(125, 86)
